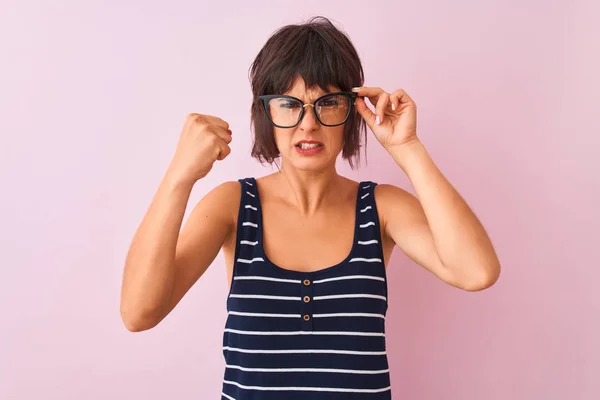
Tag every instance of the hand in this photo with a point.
(397, 114)
(204, 140)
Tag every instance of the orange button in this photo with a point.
(306, 317)
(306, 299)
(306, 282)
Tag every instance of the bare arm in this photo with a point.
(163, 264)
(149, 274)
(438, 230)
(210, 224)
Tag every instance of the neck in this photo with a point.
(309, 190)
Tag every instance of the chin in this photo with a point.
(310, 164)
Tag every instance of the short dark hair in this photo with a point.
(323, 56)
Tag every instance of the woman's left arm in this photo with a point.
(438, 229)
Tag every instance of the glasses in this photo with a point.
(332, 109)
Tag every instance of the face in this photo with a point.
(309, 146)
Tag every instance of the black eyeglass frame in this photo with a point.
(266, 98)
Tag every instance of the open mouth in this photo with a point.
(307, 146)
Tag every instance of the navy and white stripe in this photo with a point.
(299, 335)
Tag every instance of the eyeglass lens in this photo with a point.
(330, 110)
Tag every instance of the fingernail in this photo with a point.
(377, 120)
(393, 107)
(356, 89)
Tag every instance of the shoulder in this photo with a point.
(226, 192)
(395, 202)
(222, 201)
(386, 193)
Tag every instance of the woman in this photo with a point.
(305, 247)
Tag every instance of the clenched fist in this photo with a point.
(204, 140)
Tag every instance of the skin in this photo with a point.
(307, 200)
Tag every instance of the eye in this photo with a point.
(332, 101)
(290, 104)
(329, 103)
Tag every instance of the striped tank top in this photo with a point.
(306, 335)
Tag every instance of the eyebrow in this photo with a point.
(310, 100)
(316, 96)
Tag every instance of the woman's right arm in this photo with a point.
(164, 261)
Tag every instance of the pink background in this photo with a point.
(92, 99)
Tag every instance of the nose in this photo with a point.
(309, 121)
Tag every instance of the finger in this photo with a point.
(372, 93)
(365, 112)
(384, 100)
(224, 150)
(402, 96)
(224, 134)
(190, 119)
(394, 102)
(211, 119)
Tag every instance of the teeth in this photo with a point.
(309, 145)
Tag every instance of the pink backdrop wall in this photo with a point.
(92, 99)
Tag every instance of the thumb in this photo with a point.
(224, 150)
(365, 112)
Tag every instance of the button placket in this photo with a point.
(307, 304)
